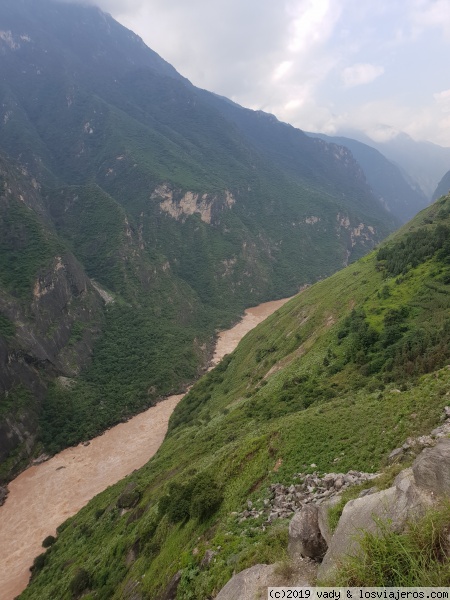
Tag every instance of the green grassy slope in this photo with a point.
(337, 378)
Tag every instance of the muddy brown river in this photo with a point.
(44, 496)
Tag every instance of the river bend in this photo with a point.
(45, 495)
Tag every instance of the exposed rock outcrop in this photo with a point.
(305, 537)
(253, 582)
(180, 206)
(412, 446)
(431, 469)
(170, 592)
(247, 584)
(312, 489)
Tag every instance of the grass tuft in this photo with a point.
(417, 557)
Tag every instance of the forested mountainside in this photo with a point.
(390, 184)
(334, 380)
(151, 214)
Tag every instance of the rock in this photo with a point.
(323, 520)
(393, 507)
(170, 593)
(305, 537)
(339, 482)
(40, 459)
(395, 456)
(432, 468)
(249, 584)
(130, 497)
(131, 591)
(425, 441)
(367, 492)
(206, 560)
(328, 480)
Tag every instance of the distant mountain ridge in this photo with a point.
(183, 207)
(443, 187)
(395, 190)
(424, 162)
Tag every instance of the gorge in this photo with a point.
(139, 216)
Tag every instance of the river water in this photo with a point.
(44, 496)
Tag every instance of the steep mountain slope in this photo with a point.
(50, 313)
(387, 181)
(443, 187)
(179, 210)
(335, 379)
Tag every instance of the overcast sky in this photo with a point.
(381, 66)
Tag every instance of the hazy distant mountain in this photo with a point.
(181, 206)
(389, 184)
(425, 163)
(443, 187)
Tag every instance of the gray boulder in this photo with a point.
(323, 518)
(252, 583)
(432, 468)
(248, 584)
(392, 507)
(305, 537)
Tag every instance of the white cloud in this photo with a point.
(282, 69)
(312, 22)
(361, 74)
(431, 13)
(443, 100)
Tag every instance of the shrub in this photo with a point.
(49, 541)
(199, 498)
(81, 581)
(175, 504)
(206, 499)
(38, 564)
